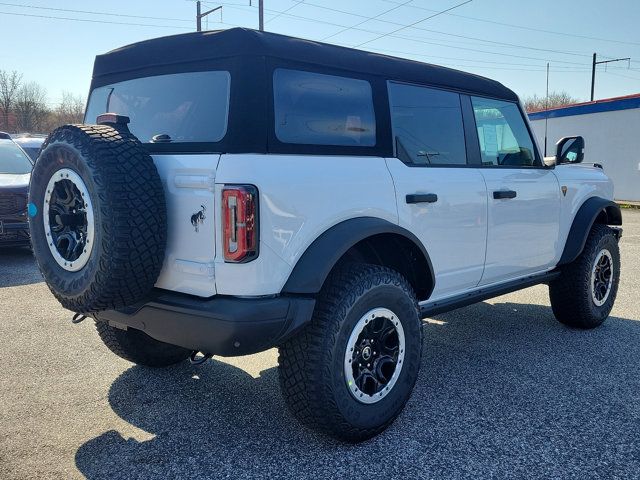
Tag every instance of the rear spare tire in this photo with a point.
(97, 217)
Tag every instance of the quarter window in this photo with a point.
(317, 109)
(503, 134)
(427, 125)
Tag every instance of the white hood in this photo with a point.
(12, 180)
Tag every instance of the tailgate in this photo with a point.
(188, 182)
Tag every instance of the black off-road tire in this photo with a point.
(311, 365)
(129, 217)
(571, 296)
(139, 348)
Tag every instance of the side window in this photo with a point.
(502, 132)
(317, 109)
(427, 125)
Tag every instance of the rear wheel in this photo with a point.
(350, 372)
(584, 294)
(138, 347)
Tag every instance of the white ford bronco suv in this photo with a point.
(235, 191)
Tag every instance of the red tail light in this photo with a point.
(240, 223)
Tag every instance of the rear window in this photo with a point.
(12, 159)
(186, 107)
(317, 109)
(32, 152)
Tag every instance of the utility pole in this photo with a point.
(593, 69)
(200, 15)
(261, 15)
(546, 115)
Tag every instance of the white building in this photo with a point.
(611, 130)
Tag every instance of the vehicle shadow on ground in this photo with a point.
(18, 267)
(504, 390)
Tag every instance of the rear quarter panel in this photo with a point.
(300, 197)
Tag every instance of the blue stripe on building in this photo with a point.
(596, 107)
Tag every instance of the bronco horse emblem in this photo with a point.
(198, 218)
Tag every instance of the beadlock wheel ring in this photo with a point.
(374, 355)
(601, 277)
(69, 223)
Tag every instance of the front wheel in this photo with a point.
(583, 295)
(350, 372)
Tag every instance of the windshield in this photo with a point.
(12, 159)
(183, 107)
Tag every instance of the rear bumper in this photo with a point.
(225, 326)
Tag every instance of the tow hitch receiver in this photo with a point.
(77, 318)
(199, 360)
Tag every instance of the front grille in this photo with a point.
(16, 236)
(13, 203)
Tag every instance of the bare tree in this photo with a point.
(30, 107)
(70, 110)
(9, 84)
(555, 100)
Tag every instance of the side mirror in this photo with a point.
(570, 150)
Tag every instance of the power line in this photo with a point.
(367, 19)
(415, 23)
(93, 13)
(285, 11)
(623, 76)
(90, 21)
(509, 45)
(522, 27)
(504, 64)
(563, 69)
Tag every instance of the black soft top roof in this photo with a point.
(200, 47)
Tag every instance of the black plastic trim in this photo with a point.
(582, 223)
(225, 326)
(471, 140)
(314, 266)
(459, 301)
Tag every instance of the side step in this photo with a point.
(433, 308)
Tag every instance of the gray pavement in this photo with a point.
(504, 391)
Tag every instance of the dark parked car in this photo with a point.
(15, 171)
(30, 143)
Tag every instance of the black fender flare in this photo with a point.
(582, 223)
(315, 264)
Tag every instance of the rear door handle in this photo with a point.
(421, 198)
(504, 194)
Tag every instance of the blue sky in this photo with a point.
(510, 41)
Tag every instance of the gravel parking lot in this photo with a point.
(504, 391)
